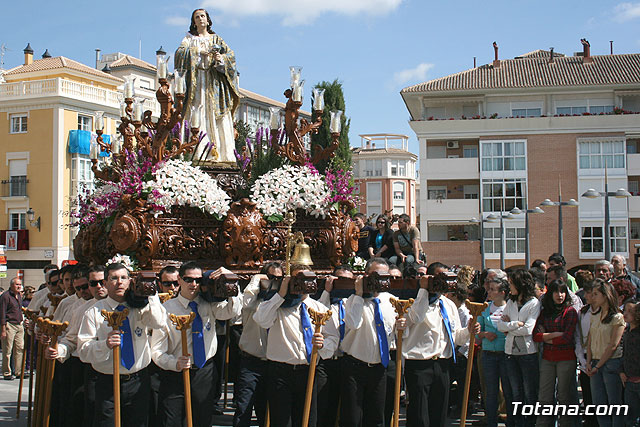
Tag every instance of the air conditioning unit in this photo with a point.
(452, 144)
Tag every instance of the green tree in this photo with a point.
(333, 100)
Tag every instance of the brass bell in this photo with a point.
(301, 254)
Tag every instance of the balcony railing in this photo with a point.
(15, 186)
(70, 89)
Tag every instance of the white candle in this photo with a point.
(123, 109)
(297, 91)
(195, 117)
(93, 152)
(179, 83)
(128, 89)
(296, 72)
(115, 146)
(137, 111)
(275, 117)
(318, 99)
(99, 120)
(335, 125)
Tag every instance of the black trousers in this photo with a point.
(75, 399)
(59, 390)
(390, 388)
(428, 384)
(287, 387)
(90, 377)
(587, 399)
(250, 390)
(171, 411)
(134, 400)
(363, 393)
(154, 381)
(329, 382)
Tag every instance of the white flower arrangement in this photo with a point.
(357, 263)
(178, 183)
(125, 260)
(289, 188)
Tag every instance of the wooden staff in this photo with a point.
(55, 301)
(24, 364)
(31, 315)
(53, 331)
(226, 363)
(401, 306)
(318, 319)
(115, 319)
(476, 309)
(183, 323)
(39, 396)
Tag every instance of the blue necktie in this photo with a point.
(127, 356)
(307, 330)
(341, 318)
(197, 338)
(447, 326)
(382, 334)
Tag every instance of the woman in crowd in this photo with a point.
(630, 374)
(381, 243)
(517, 322)
(604, 353)
(582, 333)
(555, 328)
(493, 357)
(624, 290)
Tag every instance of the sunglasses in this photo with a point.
(55, 282)
(94, 283)
(82, 288)
(381, 222)
(174, 283)
(197, 280)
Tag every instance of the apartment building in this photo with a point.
(511, 134)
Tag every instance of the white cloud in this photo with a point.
(626, 12)
(177, 21)
(300, 12)
(417, 74)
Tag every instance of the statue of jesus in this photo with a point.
(210, 71)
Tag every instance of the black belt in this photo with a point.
(360, 362)
(251, 356)
(125, 377)
(290, 366)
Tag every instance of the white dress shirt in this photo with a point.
(94, 329)
(285, 342)
(427, 337)
(68, 345)
(38, 300)
(325, 299)
(64, 306)
(254, 338)
(166, 343)
(528, 315)
(361, 336)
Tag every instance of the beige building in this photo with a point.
(505, 134)
(385, 173)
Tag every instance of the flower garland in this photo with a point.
(130, 263)
(178, 183)
(291, 187)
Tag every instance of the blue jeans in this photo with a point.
(632, 398)
(409, 260)
(606, 389)
(495, 372)
(523, 375)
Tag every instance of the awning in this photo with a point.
(80, 142)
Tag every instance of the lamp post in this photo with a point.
(508, 215)
(482, 255)
(621, 193)
(516, 211)
(560, 203)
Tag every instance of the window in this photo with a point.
(635, 230)
(434, 112)
(373, 168)
(374, 198)
(85, 123)
(508, 156)
(491, 240)
(398, 168)
(18, 221)
(471, 191)
(592, 240)
(502, 195)
(145, 84)
(19, 123)
(81, 174)
(601, 109)
(470, 151)
(594, 154)
(398, 191)
(18, 177)
(437, 193)
(569, 111)
(514, 239)
(253, 115)
(526, 112)
(618, 238)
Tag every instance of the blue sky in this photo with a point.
(375, 47)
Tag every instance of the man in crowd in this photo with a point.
(603, 270)
(406, 242)
(557, 259)
(366, 231)
(12, 328)
(621, 272)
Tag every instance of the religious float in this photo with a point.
(167, 193)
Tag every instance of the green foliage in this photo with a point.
(333, 100)
(244, 130)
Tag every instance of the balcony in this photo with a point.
(451, 210)
(15, 187)
(465, 168)
(633, 164)
(59, 87)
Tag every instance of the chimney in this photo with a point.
(373, 145)
(586, 52)
(551, 56)
(97, 58)
(611, 46)
(496, 61)
(28, 55)
(474, 62)
(46, 54)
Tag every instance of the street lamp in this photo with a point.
(527, 252)
(621, 193)
(31, 214)
(503, 215)
(560, 203)
(481, 222)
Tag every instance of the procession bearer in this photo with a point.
(166, 349)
